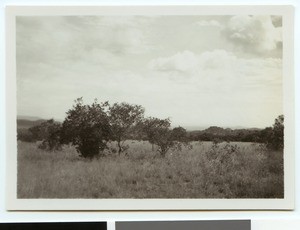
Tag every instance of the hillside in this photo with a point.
(26, 124)
(228, 134)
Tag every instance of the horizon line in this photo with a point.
(187, 127)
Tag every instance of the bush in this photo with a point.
(159, 133)
(49, 133)
(275, 139)
(25, 135)
(87, 128)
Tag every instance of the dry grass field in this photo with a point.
(225, 170)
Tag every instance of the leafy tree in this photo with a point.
(277, 138)
(23, 134)
(158, 132)
(179, 134)
(39, 132)
(123, 120)
(265, 135)
(49, 133)
(151, 128)
(87, 128)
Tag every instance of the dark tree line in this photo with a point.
(273, 137)
(91, 127)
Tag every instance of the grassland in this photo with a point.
(225, 170)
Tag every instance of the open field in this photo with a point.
(225, 170)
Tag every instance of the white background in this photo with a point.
(262, 220)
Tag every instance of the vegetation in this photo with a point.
(123, 119)
(235, 170)
(276, 138)
(159, 133)
(159, 161)
(273, 137)
(87, 128)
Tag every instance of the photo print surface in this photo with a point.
(148, 107)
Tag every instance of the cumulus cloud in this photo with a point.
(190, 63)
(107, 57)
(220, 65)
(222, 82)
(277, 20)
(185, 61)
(253, 33)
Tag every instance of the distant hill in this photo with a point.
(29, 118)
(214, 132)
(192, 128)
(26, 124)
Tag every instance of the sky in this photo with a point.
(197, 70)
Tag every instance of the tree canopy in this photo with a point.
(123, 118)
(87, 127)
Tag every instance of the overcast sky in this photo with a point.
(197, 70)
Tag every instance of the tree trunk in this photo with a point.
(120, 147)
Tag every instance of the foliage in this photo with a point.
(272, 136)
(24, 134)
(247, 172)
(49, 133)
(276, 140)
(123, 119)
(87, 128)
(159, 133)
(179, 134)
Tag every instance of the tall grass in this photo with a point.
(235, 170)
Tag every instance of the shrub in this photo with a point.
(123, 119)
(87, 128)
(49, 133)
(275, 139)
(25, 135)
(159, 133)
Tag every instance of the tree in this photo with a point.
(159, 133)
(153, 127)
(87, 128)
(179, 134)
(49, 133)
(277, 137)
(265, 135)
(24, 134)
(123, 119)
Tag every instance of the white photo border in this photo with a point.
(287, 203)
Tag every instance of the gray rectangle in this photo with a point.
(185, 225)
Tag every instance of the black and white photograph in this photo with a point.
(151, 106)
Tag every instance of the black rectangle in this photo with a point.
(55, 226)
(185, 225)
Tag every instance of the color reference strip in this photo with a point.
(185, 225)
(55, 226)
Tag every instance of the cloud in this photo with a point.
(253, 33)
(218, 67)
(185, 61)
(215, 84)
(277, 20)
(190, 63)
(195, 74)
(209, 23)
(57, 39)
